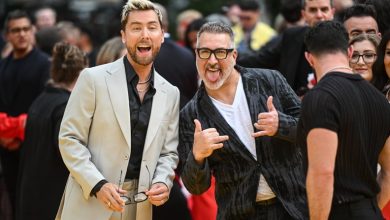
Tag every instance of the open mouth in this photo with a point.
(144, 49)
(213, 74)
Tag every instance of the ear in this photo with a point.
(162, 40)
(350, 51)
(309, 58)
(333, 10)
(235, 54)
(303, 14)
(123, 36)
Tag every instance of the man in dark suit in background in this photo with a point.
(176, 64)
(286, 52)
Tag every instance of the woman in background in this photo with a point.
(42, 174)
(381, 68)
(381, 81)
(364, 54)
(110, 51)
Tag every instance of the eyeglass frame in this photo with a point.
(364, 59)
(227, 50)
(133, 200)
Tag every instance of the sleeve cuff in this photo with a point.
(97, 187)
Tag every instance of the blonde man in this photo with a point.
(119, 133)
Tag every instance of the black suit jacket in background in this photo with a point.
(284, 53)
(236, 172)
(177, 65)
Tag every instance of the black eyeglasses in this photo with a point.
(219, 53)
(136, 198)
(367, 57)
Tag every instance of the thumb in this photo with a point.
(198, 126)
(270, 104)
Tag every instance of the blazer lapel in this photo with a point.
(117, 90)
(256, 102)
(157, 113)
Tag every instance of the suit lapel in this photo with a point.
(117, 89)
(256, 103)
(157, 113)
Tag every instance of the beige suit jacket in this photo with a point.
(95, 140)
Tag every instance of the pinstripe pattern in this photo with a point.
(237, 173)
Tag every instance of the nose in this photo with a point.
(361, 61)
(319, 14)
(145, 33)
(212, 58)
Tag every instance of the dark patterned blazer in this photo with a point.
(236, 172)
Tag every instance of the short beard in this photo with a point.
(144, 61)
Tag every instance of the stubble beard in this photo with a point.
(144, 61)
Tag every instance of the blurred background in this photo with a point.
(101, 18)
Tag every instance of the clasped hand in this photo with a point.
(110, 196)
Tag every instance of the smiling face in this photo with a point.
(215, 73)
(142, 36)
(363, 67)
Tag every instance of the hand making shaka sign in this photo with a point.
(206, 141)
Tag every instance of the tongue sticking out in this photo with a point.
(213, 76)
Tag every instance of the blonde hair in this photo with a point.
(373, 38)
(138, 5)
(110, 51)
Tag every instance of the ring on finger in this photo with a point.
(109, 204)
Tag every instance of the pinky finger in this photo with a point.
(217, 146)
(260, 134)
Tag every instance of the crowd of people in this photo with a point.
(236, 119)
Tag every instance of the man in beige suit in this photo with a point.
(119, 133)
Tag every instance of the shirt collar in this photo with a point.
(131, 75)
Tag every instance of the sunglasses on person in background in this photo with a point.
(136, 198)
(219, 53)
(367, 57)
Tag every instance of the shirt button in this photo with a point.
(126, 157)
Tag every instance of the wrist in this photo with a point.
(198, 159)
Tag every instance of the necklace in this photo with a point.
(144, 82)
(143, 90)
(338, 67)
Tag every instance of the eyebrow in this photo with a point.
(139, 22)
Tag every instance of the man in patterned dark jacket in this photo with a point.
(240, 127)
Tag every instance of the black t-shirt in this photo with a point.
(22, 80)
(360, 115)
